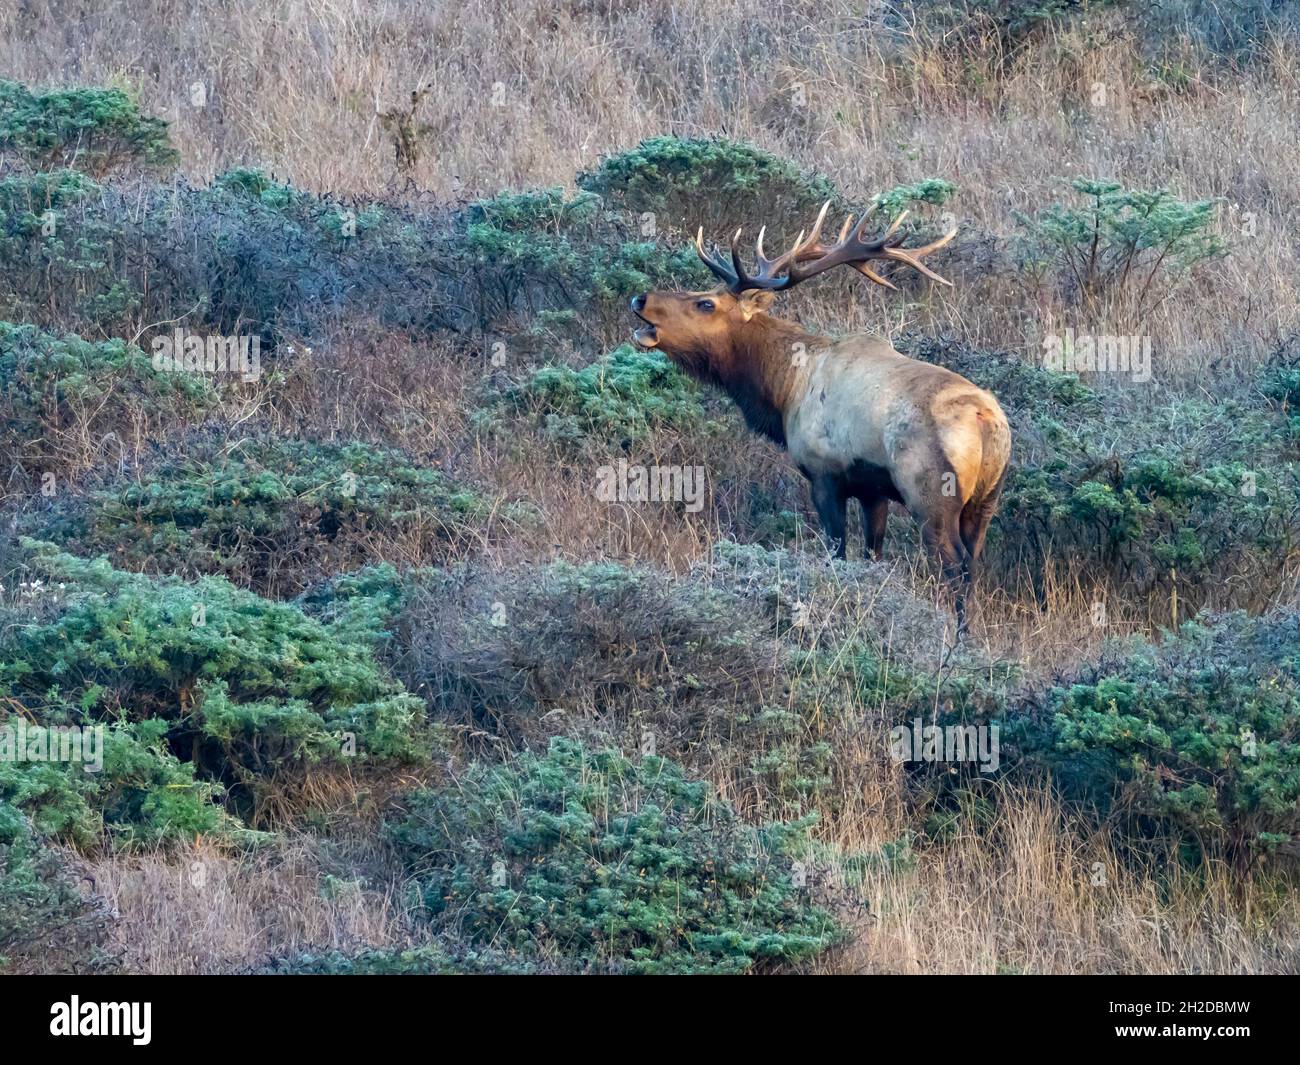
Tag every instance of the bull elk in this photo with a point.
(859, 419)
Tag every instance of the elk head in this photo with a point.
(701, 330)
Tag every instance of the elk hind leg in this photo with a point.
(944, 540)
(974, 526)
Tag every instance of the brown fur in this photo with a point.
(861, 420)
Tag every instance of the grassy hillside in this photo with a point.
(313, 355)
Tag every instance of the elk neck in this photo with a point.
(761, 369)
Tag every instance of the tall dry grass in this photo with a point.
(523, 92)
(1025, 889)
(200, 909)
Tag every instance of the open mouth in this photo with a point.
(646, 336)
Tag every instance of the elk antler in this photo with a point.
(808, 257)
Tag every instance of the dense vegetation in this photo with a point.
(597, 860)
(374, 599)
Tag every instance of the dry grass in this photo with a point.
(298, 87)
(522, 93)
(1025, 890)
(202, 910)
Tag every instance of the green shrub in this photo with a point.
(534, 210)
(933, 191)
(1279, 380)
(93, 129)
(272, 514)
(1198, 737)
(715, 183)
(620, 400)
(1283, 384)
(1125, 242)
(46, 924)
(142, 793)
(1160, 505)
(250, 693)
(674, 185)
(255, 184)
(538, 250)
(365, 600)
(599, 862)
(57, 251)
(65, 401)
(32, 203)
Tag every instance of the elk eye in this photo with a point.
(704, 305)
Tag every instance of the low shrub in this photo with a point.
(1197, 737)
(1123, 243)
(47, 924)
(245, 255)
(504, 649)
(142, 793)
(92, 129)
(617, 401)
(681, 183)
(67, 403)
(598, 862)
(250, 693)
(529, 252)
(272, 514)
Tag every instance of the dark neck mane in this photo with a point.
(759, 372)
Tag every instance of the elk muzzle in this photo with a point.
(646, 336)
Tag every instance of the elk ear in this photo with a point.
(756, 300)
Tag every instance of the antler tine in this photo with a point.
(892, 229)
(934, 245)
(816, 233)
(743, 280)
(870, 274)
(768, 268)
(912, 256)
(717, 267)
(794, 248)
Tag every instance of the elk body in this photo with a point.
(860, 420)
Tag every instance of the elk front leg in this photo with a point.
(829, 498)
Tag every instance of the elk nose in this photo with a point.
(638, 303)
